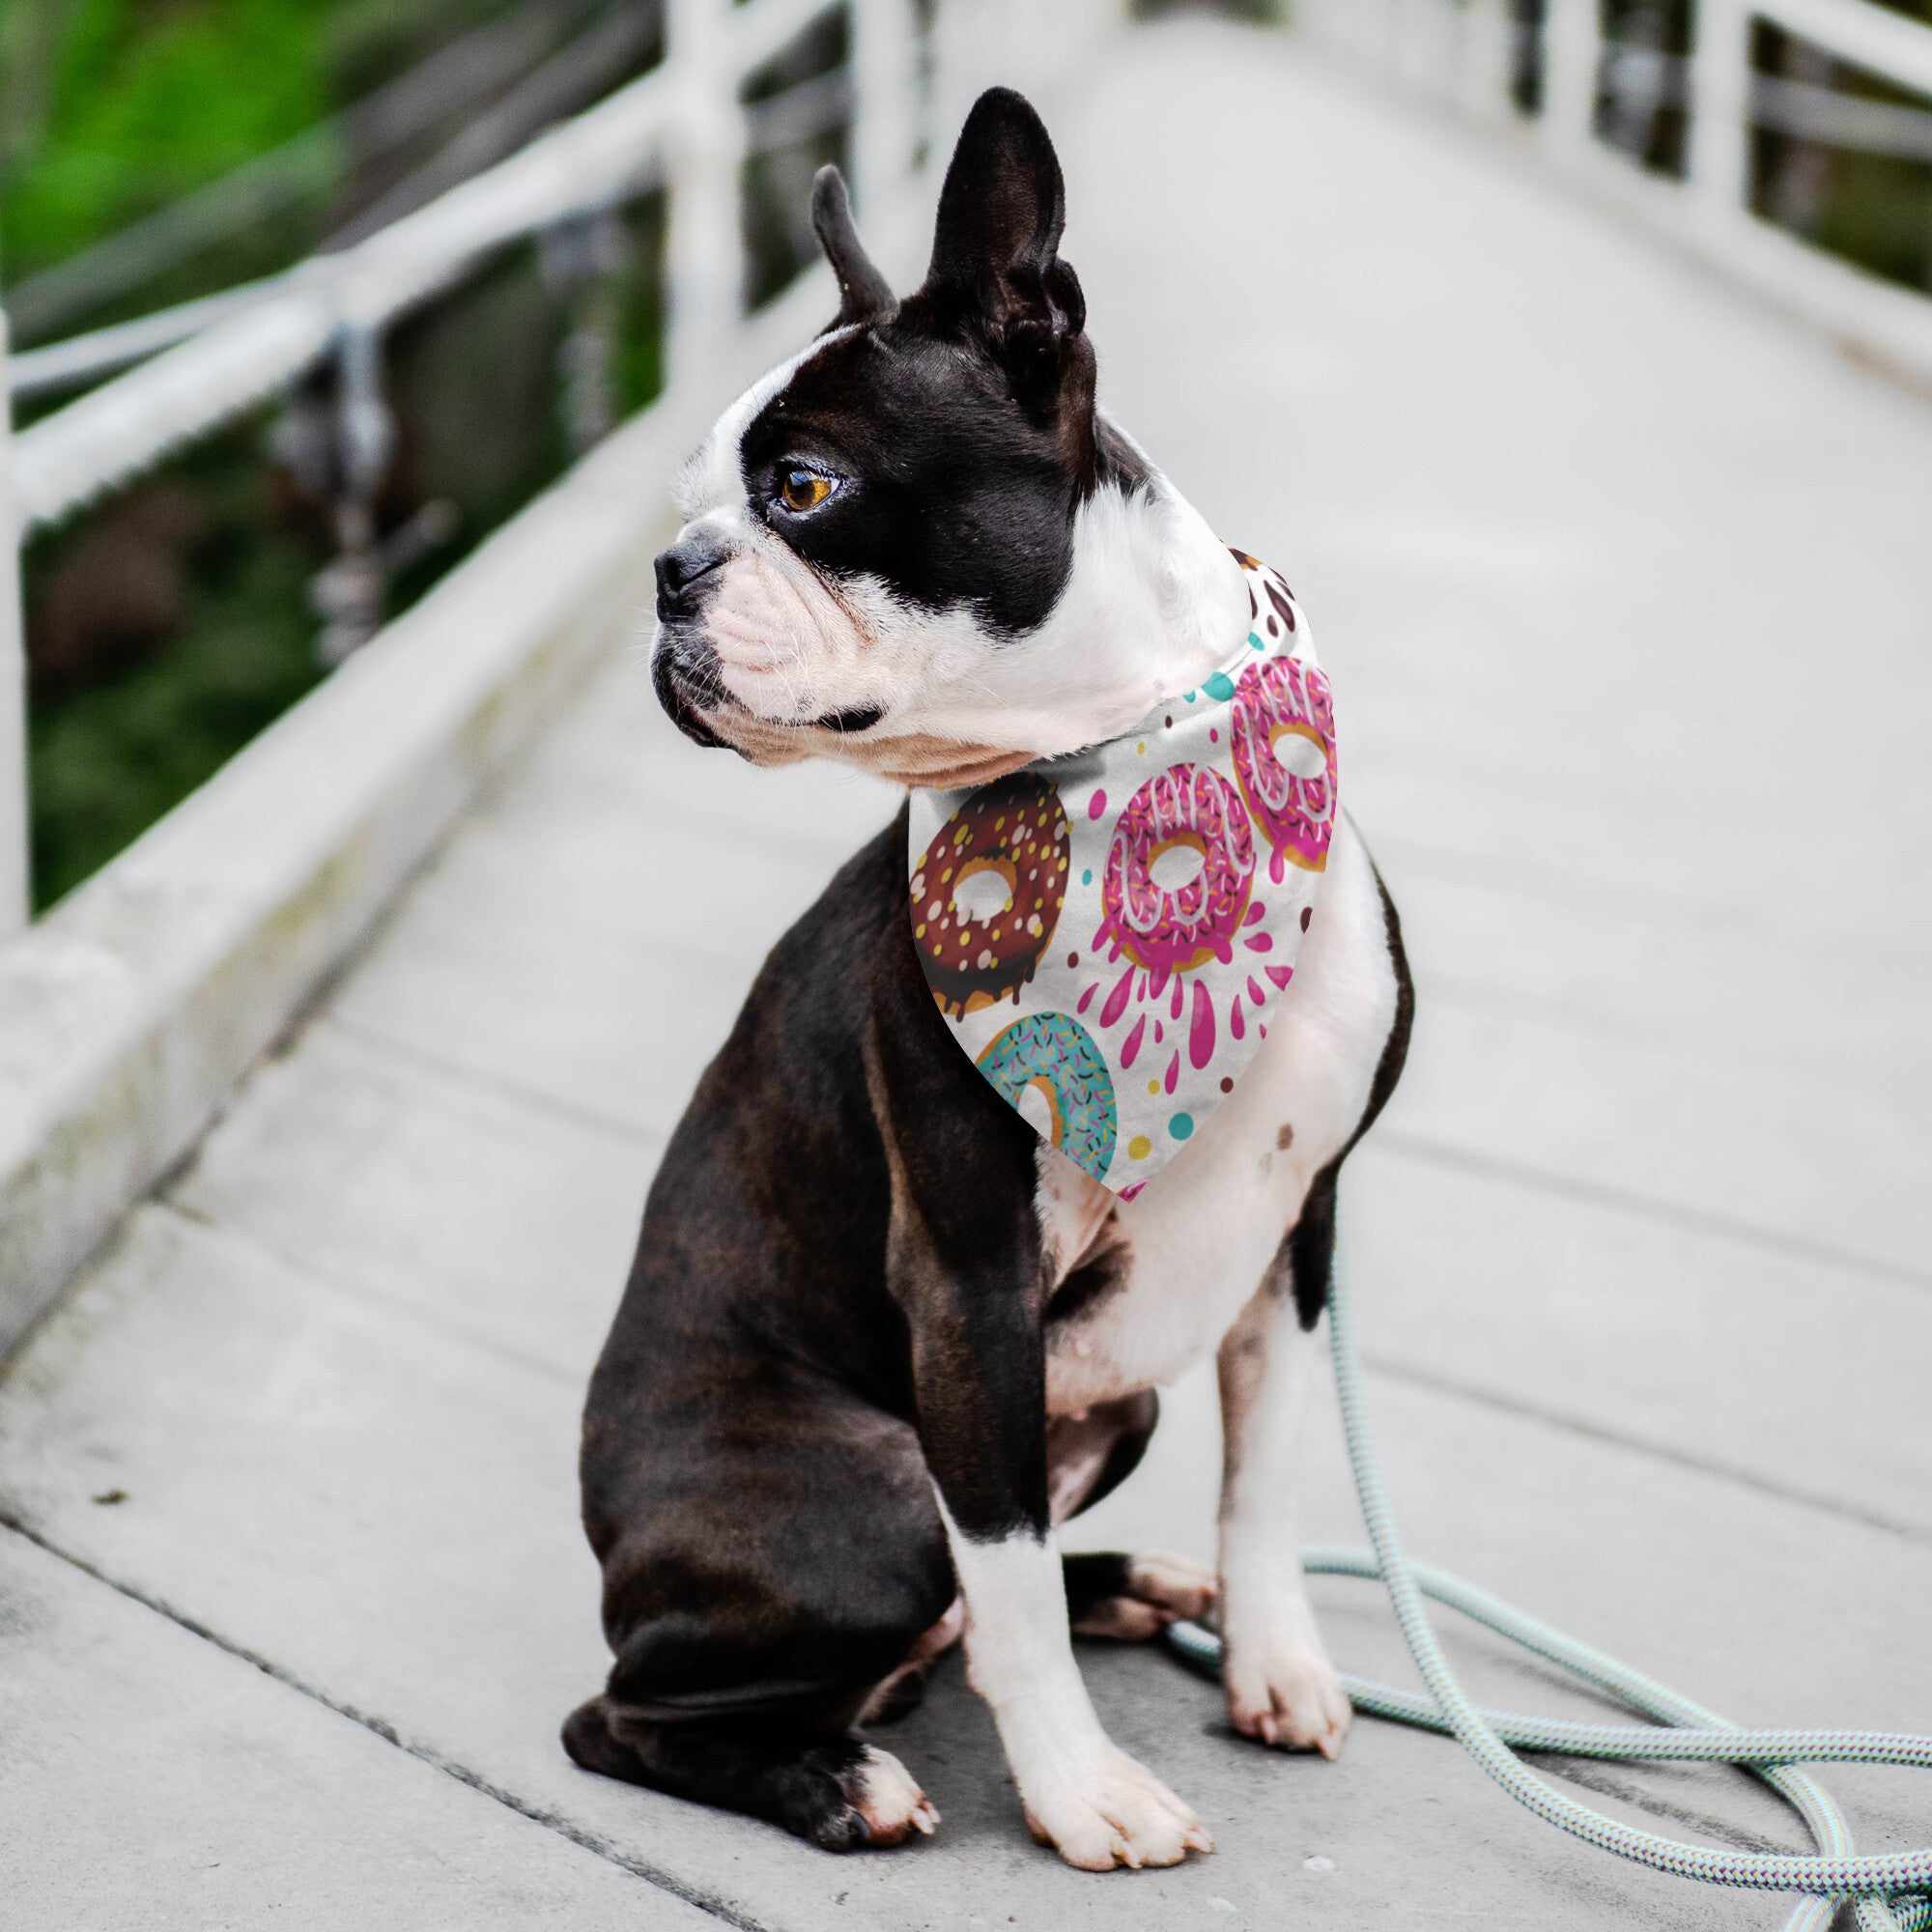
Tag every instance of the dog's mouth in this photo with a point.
(849, 724)
(685, 678)
(688, 678)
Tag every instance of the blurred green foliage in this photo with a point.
(111, 753)
(110, 109)
(170, 624)
(138, 105)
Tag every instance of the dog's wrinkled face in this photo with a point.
(916, 547)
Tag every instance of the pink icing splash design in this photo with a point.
(1201, 1028)
(1275, 700)
(1132, 1045)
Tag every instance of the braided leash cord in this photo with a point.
(1682, 1730)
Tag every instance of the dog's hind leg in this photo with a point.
(1109, 1593)
(759, 1583)
(824, 1785)
(1130, 1598)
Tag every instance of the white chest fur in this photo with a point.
(1178, 1263)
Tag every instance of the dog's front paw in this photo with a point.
(878, 1803)
(1112, 1811)
(1285, 1692)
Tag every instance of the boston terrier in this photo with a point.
(882, 1335)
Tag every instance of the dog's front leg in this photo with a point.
(1280, 1685)
(970, 1293)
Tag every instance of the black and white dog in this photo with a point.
(879, 1339)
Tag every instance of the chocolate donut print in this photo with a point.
(987, 894)
(1109, 932)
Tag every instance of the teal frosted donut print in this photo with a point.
(1054, 1054)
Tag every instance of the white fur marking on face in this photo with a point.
(1153, 603)
(711, 476)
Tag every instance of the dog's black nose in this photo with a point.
(685, 573)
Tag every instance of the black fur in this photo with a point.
(838, 1288)
(838, 1301)
(959, 424)
(863, 292)
(1309, 1247)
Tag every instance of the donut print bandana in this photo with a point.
(1107, 933)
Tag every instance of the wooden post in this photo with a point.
(14, 897)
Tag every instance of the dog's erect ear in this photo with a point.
(994, 256)
(863, 292)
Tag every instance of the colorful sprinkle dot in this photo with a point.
(1098, 803)
(1256, 642)
(1087, 878)
(1181, 1127)
(1154, 1086)
(1220, 686)
(1138, 1147)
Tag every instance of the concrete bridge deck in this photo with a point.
(1625, 588)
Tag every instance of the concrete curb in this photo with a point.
(129, 1012)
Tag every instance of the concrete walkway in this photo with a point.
(1626, 591)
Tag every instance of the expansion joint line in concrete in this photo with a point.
(1650, 1208)
(1638, 1445)
(590, 1841)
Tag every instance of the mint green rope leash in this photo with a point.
(1682, 1730)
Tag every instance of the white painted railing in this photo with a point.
(681, 127)
(1466, 54)
(130, 1011)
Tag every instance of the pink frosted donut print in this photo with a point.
(1176, 922)
(1283, 743)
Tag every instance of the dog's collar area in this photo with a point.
(1107, 933)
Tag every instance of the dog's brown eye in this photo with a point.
(803, 489)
